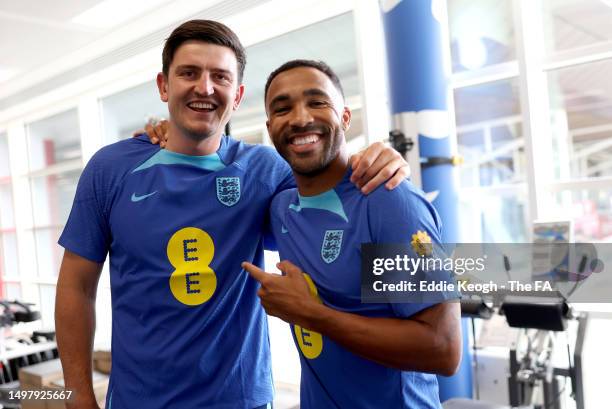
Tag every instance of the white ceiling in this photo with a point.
(38, 40)
(38, 32)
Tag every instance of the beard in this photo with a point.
(315, 165)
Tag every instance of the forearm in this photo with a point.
(406, 344)
(75, 326)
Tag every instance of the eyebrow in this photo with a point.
(278, 99)
(315, 92)
(311, 92)
(198, 68)
(187, 66)
(228, 72)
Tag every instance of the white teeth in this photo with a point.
(201, 105)
(303, 140)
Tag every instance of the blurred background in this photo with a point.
(534, 129)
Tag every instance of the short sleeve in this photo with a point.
(87, 231)
(404, 216)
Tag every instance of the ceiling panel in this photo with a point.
(43, 50)
(28, 45)
(50, 10)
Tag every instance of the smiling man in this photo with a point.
(188, 329)
(202, 91)
(353, 355)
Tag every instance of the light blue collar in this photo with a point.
(210, 162)
(325, 201)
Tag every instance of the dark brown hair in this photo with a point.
(207, 31)
(318, 65)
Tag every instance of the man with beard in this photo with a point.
(353, 355)
(188, 330)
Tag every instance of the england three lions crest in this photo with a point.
(228, 190)
(332, 243)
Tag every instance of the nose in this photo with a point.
(205, 85)
(300, 116)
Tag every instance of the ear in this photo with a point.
(238, 96)
(346, 118)
(162, 86)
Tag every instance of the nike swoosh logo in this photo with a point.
(283, 229)
(143, 197)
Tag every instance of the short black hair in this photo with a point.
(208, 31)
(318, 65)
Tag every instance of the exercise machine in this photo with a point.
(19, 350)
(534, 382)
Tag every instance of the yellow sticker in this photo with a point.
(191, 250)
(421, 243)
(310, 342)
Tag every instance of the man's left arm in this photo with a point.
(429, 341)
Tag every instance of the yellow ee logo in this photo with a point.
(190, 251)
(310, 342)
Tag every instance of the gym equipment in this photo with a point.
(532, 368)
(533, 382)
(21, 350)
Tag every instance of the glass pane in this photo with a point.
(489, 134)
(47, 305)
(4, 157)
(489, 217)
(570, 24)
(8, 255)
(581, 120)
(48, 252)
(104, 324)
(52, 197)
(7, 219)
(12, 291)
(482, 33)
(332, 41)
(591, 212)
(54, 140)
(596, 347)
(129, 110)
(249, 135)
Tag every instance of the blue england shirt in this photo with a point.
(188, 329)
(323, 235)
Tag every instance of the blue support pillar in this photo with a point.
(418, 86)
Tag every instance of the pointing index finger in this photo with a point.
(255, 272)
